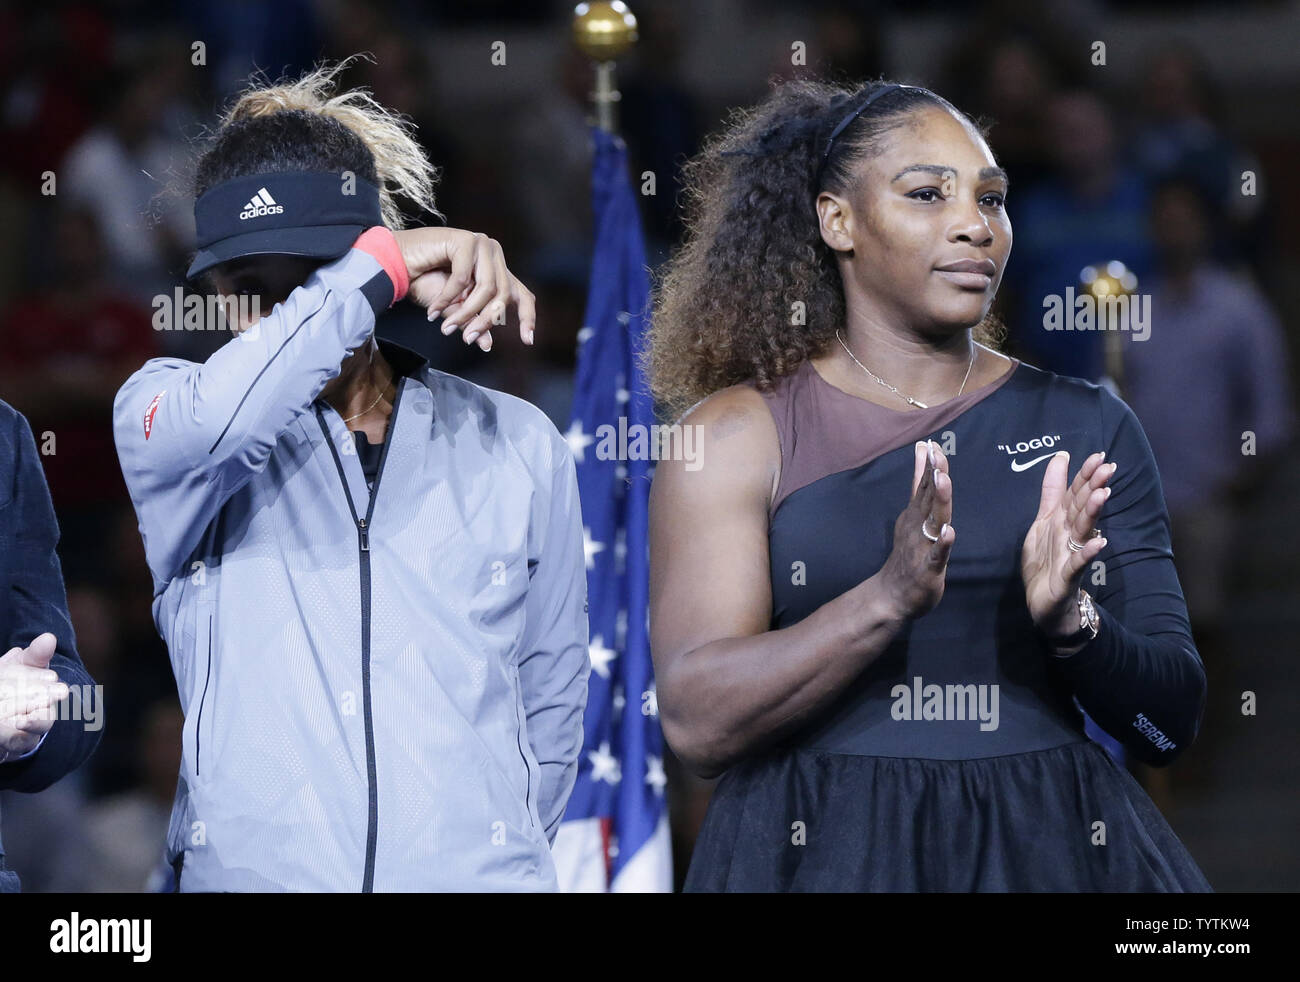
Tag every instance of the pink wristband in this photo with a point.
(382, 244)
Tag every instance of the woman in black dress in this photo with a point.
(891, 705)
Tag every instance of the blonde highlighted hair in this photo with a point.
(302, 124)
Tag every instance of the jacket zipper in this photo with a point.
(198, 726)
(364, 526)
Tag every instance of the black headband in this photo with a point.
(315, 214)
(844, 123)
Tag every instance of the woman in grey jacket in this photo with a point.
(370, 574)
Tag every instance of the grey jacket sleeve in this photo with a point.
(190, 435)
(553, 664)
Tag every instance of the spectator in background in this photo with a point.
(1093, 210)
(68, 347)
(660, 122)
(52, 58)
(277, 35)
(1214, 334)
(1013, 88)
(125, 834)
(121, 165)
(551, 175)
(135, 669)
(1180, 134)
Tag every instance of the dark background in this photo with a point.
(104, 96)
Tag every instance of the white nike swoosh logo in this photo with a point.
(1037, 460)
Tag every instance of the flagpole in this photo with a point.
(615, 833)
(604, 32)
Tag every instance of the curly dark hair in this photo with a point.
(724, 305)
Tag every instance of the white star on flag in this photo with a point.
(585, 333)
(600, 656)
(590, 547)
(604, 765)
(654, 773)
(577, 440)
(620, 549)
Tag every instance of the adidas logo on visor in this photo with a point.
(260, 204)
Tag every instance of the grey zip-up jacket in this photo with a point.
(382, 691)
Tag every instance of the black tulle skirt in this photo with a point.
(1066, 819)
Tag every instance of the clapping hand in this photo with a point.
(1050, 567)
(30, 692)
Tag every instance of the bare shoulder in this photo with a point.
(736, 411)
(737, 440)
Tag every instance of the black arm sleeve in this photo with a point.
(38, 603)
(1141, 678)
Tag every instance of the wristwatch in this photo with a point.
(1089, 622)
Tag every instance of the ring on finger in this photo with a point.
(1074, 546)
(926, 532)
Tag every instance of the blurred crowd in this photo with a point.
(100, 108)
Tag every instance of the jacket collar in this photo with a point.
(404, 360)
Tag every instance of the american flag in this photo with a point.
(614, 836)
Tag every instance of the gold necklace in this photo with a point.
(377, 398)
(911, 401)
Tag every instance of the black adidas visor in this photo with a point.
(311, 214)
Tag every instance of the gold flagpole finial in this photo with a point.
(604, 31)
(1112, 286)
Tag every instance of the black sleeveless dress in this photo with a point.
(957, 761)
